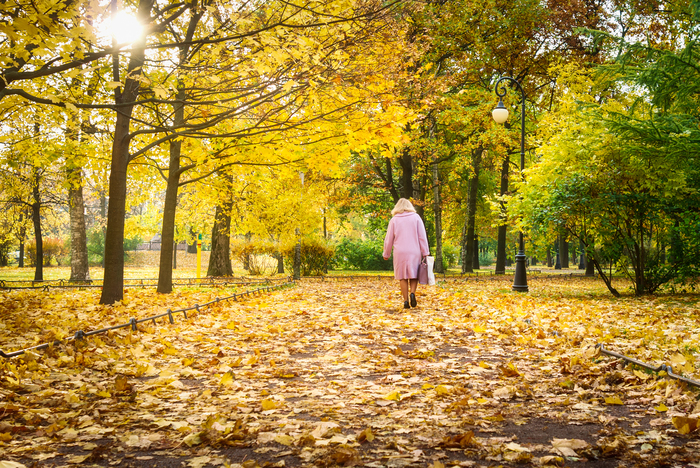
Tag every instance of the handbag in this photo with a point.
(423, 272)
(430, 261)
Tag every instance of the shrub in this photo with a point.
(316, 256)
(53, 249)
(96, 245)
(485, 258)
(450, 255)
(356, 254)
(257, 257)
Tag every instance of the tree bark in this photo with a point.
(79, 267)
(167, 233)
(280, 263)
(192, 248)
(168, 256)
(113, 286)
(437, 213)
(22, 237)
(220, 256)
(468, 260)
(475, 257)
(583, 264)
(36, 220)
(563, 250)
(502, 228)
(297, 257)
(406, 174)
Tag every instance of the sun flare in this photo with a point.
(125, 28)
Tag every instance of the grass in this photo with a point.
(144, 264)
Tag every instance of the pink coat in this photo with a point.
(406, 234)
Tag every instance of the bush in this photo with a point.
(450, 255)
(485, 259)
(96, 245)
(316, 256)
(53, 249)
(257, 257)
(356, 254)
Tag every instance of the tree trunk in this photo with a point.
(113, 286)
(36, 220)
(192, 248)
(22, 237)
(167, 264)
(297, 257)
(406, 174)
(549, 257)
(167, 233)
(590, 268)
(563, 249)
(468, 260)
(475, 259)
(437, 213)
(583, 263)
(280, 263)
(220, 256)
(502, 228)
(103, 225)
(79, 267)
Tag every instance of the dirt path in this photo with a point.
(336, 373)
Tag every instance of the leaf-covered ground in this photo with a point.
(337, 373)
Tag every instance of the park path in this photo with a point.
(338, 373)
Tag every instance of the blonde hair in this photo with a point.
(402, 205)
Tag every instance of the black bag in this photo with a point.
(423, 272)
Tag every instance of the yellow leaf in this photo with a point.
(479, 329)
(365, 436)
(5, 436)
(103, 394)
(661, 408)
(187, 362)
(685, 425)
(613, 400)
(284, 439)
(170, 351)
(427, 386)
(268, 404)
(441, 390)
(227, 379)
(193, 439)
(393, 396)
(485, 365)
(678, 358)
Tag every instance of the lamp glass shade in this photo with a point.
(500, 114)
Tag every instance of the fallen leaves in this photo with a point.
(334, 374)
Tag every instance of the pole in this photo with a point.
(520, 279)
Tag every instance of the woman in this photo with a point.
(406, 234)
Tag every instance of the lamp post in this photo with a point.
(500, 115)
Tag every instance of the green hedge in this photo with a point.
(356, 254)
(316, 256)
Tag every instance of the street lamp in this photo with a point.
(500, 115)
